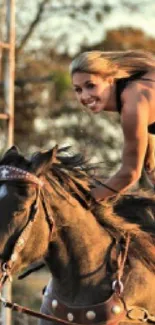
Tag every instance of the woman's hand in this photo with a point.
(149, 162)
(98, 193)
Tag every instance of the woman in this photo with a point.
(121, 82)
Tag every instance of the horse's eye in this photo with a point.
(18, 213)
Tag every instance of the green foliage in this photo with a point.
(107, 8)
(62, 83)
(87, 6)
(99, 16)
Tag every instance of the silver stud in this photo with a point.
(90, 314)
(70, 317)
(54, 303)
(116, 309)
(14, 257)
(21, 242)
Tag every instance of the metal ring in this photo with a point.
(144, 317)
(117, 286)
(4, 267)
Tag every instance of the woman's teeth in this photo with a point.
(92, 104)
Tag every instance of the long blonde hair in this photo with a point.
(109, 64)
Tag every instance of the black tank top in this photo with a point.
(122, 83)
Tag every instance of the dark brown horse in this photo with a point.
(101, 256)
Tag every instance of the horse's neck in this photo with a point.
(77, 254)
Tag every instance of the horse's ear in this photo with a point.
(13, 149)
(43, 160)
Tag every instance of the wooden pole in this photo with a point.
(9, 77)
(7, 313)
(9, 70)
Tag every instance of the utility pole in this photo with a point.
(7, 51)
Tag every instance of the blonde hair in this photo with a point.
(110, 64)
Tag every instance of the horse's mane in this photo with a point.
(132, 214)
(72, 173)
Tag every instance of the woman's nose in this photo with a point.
(84, 95)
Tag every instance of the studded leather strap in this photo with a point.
(10, 173)
(111, 311)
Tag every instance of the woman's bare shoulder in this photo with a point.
(140, 90)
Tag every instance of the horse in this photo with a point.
(101, 255)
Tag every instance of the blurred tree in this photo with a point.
(46, 111)
(66, 26)
(127, 38)
(124, 39)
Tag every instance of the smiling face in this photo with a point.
(93, 91)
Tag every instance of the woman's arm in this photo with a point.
(134, 120)
(149, 162)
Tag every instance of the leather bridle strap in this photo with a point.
(10, 173)
(22, 239)
(106, 186)
(56, 319)
(122, 253)
(33, 313)
(122, 257)
(143, 317)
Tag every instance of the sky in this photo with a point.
(67, 34)
(144, 20)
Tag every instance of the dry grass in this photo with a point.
(28, 292)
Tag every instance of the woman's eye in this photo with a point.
(90, 86)
(21, 211)
(78, 90)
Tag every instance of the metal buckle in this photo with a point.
(6, 272)
(138, 313)
(117, 286)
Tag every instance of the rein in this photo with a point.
(106, 186)
(111, 308)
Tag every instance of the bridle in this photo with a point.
(10, 173)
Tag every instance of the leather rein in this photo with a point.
(10, 173)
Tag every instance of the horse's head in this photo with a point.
(34, 192)
(21, 206)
